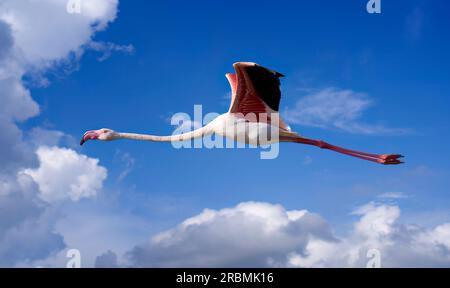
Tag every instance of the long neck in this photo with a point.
(172, 138)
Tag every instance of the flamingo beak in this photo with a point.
(89, 135)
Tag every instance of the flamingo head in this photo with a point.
(103, 134)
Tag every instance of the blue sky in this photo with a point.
(396, 62)
(181, 59)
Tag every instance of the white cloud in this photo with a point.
(26, 223)
(44, 31)
(107, 48)
(441, 235)
(16, 105)
(127, 162)
(33, 238)
(376, 220)
(393, 195)
(333, 108)
(36, 36)
(63, 173)
(263, 234)
(106, 260)
(250, 234)
(40, 136)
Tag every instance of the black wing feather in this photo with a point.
(267, 85)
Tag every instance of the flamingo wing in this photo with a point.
(255, 89)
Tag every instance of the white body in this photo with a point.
(241, 130)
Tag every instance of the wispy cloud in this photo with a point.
(127, 161)
(393, 195)
(107, 48)
(414, 24)
(333, 108)
(307, 160)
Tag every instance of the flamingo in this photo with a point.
(255, 91)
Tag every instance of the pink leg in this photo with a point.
(386, 159)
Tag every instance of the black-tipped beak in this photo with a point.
(89, 135)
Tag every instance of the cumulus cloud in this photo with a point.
(263, 234)
(63, 173)
(30, 240)
(333, 108)
(44, 31)
(250, 234)
(26, 223)
(16, 105)
(36, 36)
(40, 136)
(106, 260)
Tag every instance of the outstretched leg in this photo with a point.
(386, 159)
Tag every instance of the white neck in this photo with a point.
(172, 138)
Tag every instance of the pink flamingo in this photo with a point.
(255, 93)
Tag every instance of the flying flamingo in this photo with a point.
(255, 91)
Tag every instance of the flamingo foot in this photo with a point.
(390, 159)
